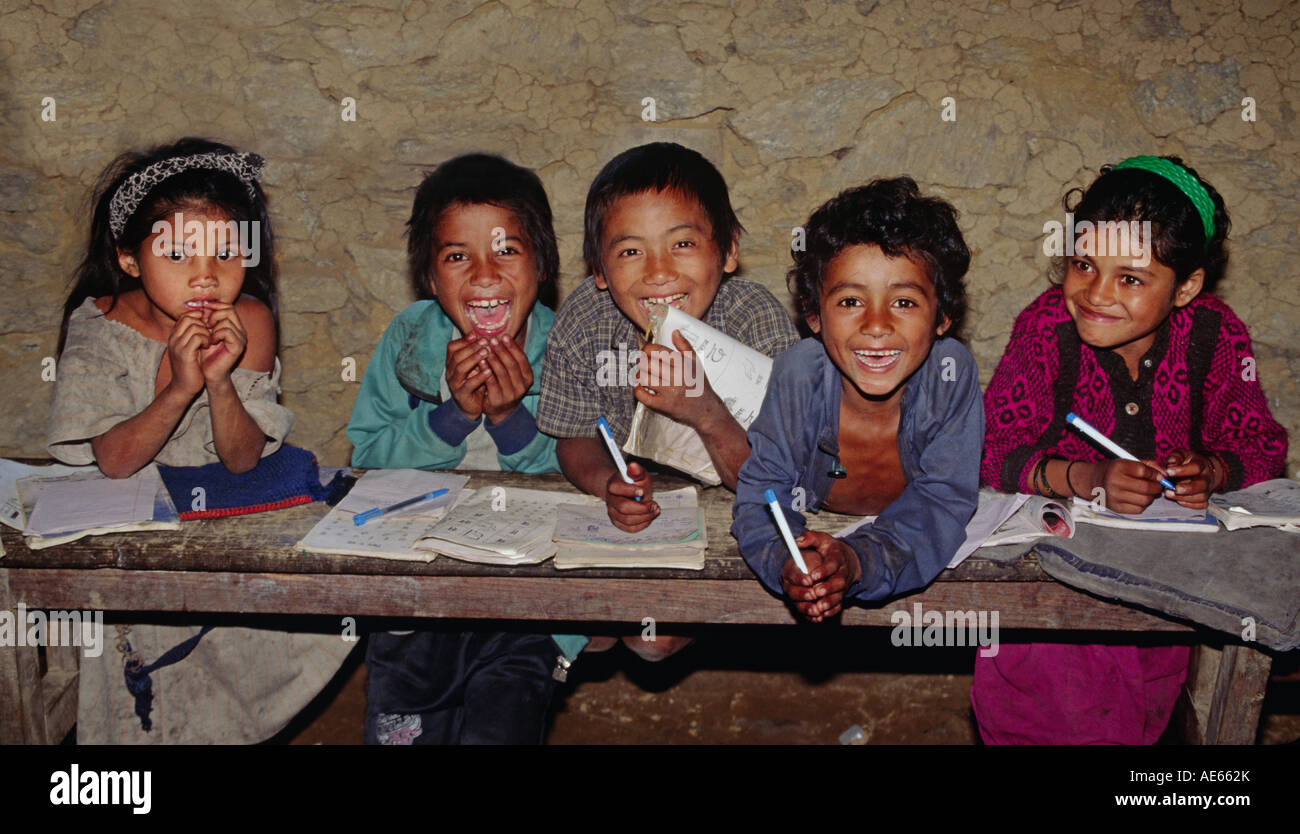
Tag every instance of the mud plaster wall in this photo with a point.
(793, 101)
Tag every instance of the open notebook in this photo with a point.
(498, 526)
(1163, 514)
(1015, 518)
(676, 539)
(388, 536)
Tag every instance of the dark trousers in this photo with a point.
(433, 687)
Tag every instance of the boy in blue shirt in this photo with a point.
(880, 414)
(453, 384)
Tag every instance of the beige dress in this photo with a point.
(239, 685)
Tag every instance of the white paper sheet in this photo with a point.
(678, 521)
(11, 511)
(993, 510)
(65, 506)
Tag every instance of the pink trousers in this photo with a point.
(1063, 693)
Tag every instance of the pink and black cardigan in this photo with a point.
(1196, 389)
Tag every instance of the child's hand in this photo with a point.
(627, 513)
(1197, 476)
(466, 373)
(509, 376)
(833, 567)
(1130, 485)
(187, 341)
(680, 389)
(228, 341)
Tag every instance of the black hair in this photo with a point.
(488, 180)
(1135, 194)
(100, 274)
(890, 214)
(659, 166)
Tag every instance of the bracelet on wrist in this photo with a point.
(1068, 484)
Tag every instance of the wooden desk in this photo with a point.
(248, 564)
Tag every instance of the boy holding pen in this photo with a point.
(880, 414)
(659, 229)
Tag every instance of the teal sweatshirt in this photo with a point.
(401, 421)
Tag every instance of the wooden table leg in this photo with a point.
(1224, 694)
(22, 703)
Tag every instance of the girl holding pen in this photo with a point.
(1131, 341)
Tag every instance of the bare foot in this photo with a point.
(662, 646)
(600, 644)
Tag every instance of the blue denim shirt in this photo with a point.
(795, 443)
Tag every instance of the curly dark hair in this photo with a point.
(659, 166)
(890, 214)
(1135, 194)
(482, 179)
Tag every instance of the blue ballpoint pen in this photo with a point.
(362, 518)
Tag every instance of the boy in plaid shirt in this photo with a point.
(658, 229)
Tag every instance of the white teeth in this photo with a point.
(487, 304)
(665, 299)
(877, 358)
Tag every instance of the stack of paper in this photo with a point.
(1273, 503)
(676, 539)
(11, 472)
(63, 508)
(387, 536)
(498, 526)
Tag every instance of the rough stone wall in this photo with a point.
(793, 101)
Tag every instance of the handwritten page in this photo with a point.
(501, 525)
(66, 506)
(678, 521)
(737, 373)
(586, 538)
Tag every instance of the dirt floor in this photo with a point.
(763, 686)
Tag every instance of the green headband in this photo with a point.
(1181, 177)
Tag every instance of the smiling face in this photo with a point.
(1118, 305)
(657, 247)
(178, 271)
(876, 318)
(484, 271)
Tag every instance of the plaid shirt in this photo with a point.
(589, 323)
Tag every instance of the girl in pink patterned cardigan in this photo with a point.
(1131, 340)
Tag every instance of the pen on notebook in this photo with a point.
(613, 450)
(784, 527)
(1108, 444)
(362, 518)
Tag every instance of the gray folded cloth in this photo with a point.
(1215, 580)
